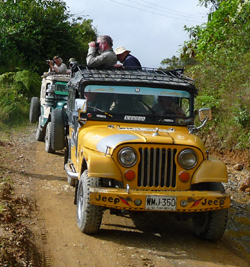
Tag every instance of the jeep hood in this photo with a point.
(99, 138)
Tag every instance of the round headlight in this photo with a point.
(127, 157)
(187, 159)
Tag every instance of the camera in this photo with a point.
(48, 61)
(97, 45)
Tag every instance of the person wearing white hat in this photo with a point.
(128, 61)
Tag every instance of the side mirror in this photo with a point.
(205, 113)
(81, 105)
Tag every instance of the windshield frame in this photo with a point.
(151, 117)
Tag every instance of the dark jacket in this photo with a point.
(131, 62)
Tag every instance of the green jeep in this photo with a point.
(48, 111)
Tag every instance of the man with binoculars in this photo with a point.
(100, 53)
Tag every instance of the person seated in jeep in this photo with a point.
(167, 106)
(129, 104)
(98, 100)
(91, 98)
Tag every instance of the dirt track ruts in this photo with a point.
(164, 242)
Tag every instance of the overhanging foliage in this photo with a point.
(35, 30)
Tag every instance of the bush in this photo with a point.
(226, 91)
(16, 90)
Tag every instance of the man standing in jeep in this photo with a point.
(107, 56)
(56, 65)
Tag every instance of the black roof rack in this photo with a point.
(55, 75)
(150, 75)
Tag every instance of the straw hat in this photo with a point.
(121, 49)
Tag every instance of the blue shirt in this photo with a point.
(131, 62)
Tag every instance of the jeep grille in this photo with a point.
(157, 167)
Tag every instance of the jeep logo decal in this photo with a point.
(114, 200)
(204, 201)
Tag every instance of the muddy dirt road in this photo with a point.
(164, 242)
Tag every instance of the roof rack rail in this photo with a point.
(55, 74)
(127, 74)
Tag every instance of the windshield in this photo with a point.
(143, 104)
(61, 86)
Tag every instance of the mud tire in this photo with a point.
(34, 110)
(89, 217)
(211, 225)
(40, 132)
(48, 147)
(57, 130)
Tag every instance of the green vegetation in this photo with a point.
(217, 56)
(32, 31)
(16, 90)
(35, 30)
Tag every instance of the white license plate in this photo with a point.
(160, 203)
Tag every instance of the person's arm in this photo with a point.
(108, 57)
(51, 65)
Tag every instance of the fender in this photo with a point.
(99, 164)
(212, 170)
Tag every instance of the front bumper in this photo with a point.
(135, 200)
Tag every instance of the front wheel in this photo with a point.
(89, 217)
(210, 225)
(40, 132)
(48, 147)
(57, 129)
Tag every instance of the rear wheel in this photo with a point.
(48, 147)
(211, 225)
(57, 130)
(89, 217)
(34, 110)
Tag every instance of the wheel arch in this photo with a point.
(212, 170)
(99, 165)
(84, 166)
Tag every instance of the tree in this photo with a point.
(83, 33)
(215, 3)
(35, 30)
(221, 49)
(172, 63)
(225, 32)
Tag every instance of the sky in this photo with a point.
(151, 29)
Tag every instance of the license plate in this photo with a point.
(160, 203)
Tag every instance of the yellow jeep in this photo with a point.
(131, 147)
